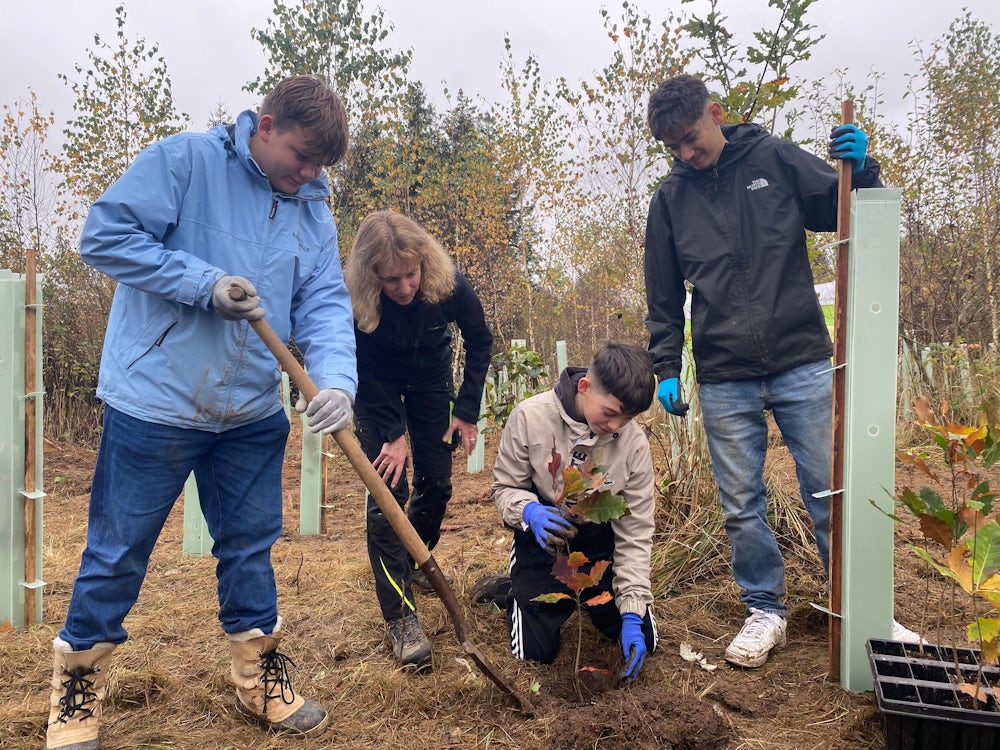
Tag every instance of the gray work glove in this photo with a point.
(245, 306)
(329, 411)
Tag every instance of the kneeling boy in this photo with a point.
(589, 413)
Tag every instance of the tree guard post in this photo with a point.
(20, 449)
(839, 379)
(869, 430)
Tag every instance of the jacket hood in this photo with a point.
(236, 139)
(565, 389)
(740, 138)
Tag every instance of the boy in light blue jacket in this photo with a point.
(188, 386)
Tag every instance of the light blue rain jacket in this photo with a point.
(191, 208)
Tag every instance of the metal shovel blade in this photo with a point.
(393, 513)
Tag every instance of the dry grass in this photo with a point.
(169, 685)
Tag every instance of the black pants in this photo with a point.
(427, 415)
(535, 626)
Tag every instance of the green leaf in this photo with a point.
(933, 502)
(943, 570)
(573, 482)
(983, 629)
(983, 496)
(601, 506)
(984, 545)
(551, 598)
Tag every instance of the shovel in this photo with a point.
(388, 505)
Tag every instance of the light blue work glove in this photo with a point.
(847, 142)
(633, 646)
(549, 528)
(330, 410)
(235, 298)
(669, 395)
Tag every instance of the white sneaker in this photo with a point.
(762, 632)
(904, 634)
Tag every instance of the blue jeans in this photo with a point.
(801, 400)
(140, 472)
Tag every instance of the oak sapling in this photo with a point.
(960, 521)
(580, 497)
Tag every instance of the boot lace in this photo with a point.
(275, 665)
(78, 696)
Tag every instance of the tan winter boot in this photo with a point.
(264, 691)
(79, 682)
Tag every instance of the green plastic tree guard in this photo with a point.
(477, 460)
(197, 540)
(311, 484)
(869, 429)
(286, 395)
(13, 392)
(562, 359)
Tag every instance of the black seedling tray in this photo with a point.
(922, 708)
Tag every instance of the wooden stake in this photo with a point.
(30, 427)
(839, 381)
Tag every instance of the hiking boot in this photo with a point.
(762, 632)
(264, 691)
(408, 643)
(421, 581)
(492, 590)
(79, 683)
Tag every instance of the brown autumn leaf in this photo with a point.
(603, 598)
(922, 406)
(917, 463)
(555, 464)
(958, 565)
(936, 530)
(976, 691)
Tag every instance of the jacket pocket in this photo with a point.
(152, 336)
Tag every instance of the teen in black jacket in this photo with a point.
(731, 221)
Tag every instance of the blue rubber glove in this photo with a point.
(633, 646)
(549, 528)
(669, 395)
(847, 142)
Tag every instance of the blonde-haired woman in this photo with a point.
(406, 292)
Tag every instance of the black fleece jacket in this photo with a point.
(410, 353)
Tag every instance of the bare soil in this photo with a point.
(169, 683)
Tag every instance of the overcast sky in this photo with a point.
(210, 55)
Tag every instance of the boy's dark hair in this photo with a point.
(309, 102)
(676, 103)
(624, 371)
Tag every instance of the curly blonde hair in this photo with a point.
(386, 239)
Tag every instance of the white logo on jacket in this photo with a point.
(757, 184)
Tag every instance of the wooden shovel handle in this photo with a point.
(347, 442)
(393, 512)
